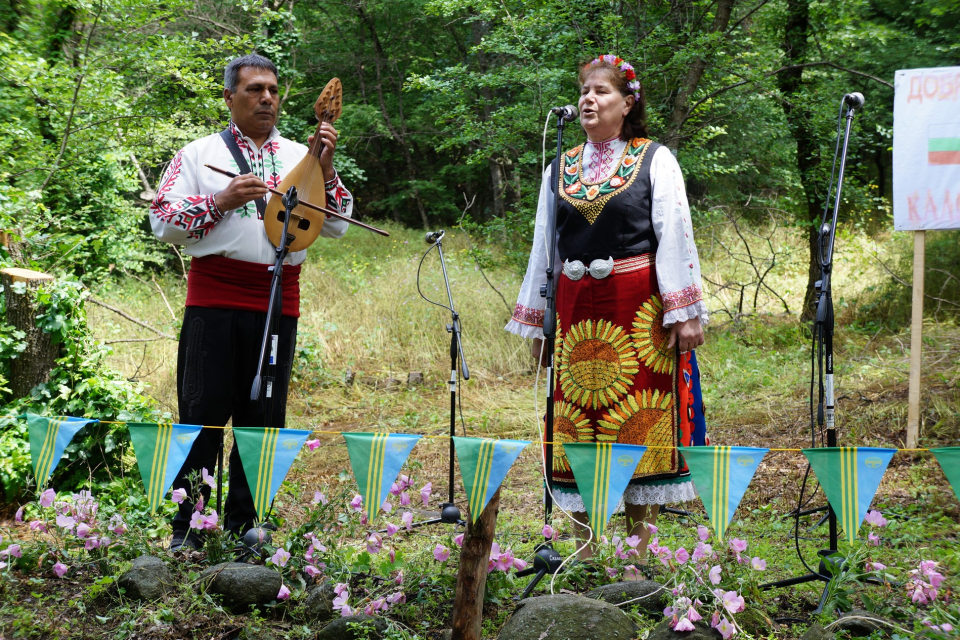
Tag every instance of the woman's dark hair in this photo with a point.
(635, 124)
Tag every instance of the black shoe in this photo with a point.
(185, 541)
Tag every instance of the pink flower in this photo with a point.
(630, 572)
(404, 499)
(758, 564)
(105, 542)
(116, 525)
(441, 553)
(651, 528)
(612, 572)
(313, 444)
(664, 554)
(732, 602)
(702, 551)
(392, 554)
(407, 520)
(739, 546)
(387, 506)
(715, 575)
(684, 625)
(66, 522)
(357, 503)
(11, 551)
(519, 564)
(199, 505)
(425, 493)
(280, 558)
(875, 518)
(397, 598)
(311, 571)
(458, 540)
(284, 592)
(703, 533)
(725, 628)
(179, 495)
(374, 543)
(682, 555)
(91, 543)
(548, 532)
(19, 515)
(693, 615)
(83, 530)
(47, 498)
(38, 526)
(345, 610)
(319, 498)
(632, 541)
(873, 540)
(391, 529)
(399, 579)
(210, 522)
(875, 566)
(60, 569)
(340, 589)
(207, 478)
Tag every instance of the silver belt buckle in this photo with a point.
(598, 268)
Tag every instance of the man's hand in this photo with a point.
(240, 191)
(538, 352)
(329, 136)
(689, 334)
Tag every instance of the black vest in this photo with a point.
(611, 218)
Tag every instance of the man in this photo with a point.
(219, 222)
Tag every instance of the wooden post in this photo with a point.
(33, 365)
(472, 575)
(916, 340)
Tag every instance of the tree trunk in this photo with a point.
(472, 576)
(33, 365)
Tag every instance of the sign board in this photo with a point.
(926, 149)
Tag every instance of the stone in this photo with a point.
(341, 629)
(349, 377)
(414, 379)
(701, 631)
(651, 594)
(148, 579)
(242, 585)
(319, 602)
(816, 632)
(567, 617)
(859, 623)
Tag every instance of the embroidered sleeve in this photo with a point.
(678, 265)
(178, 214)
(340, 200)
(527, 319)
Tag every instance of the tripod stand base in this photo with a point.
(828, 559)
(546, 561)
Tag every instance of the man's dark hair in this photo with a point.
(232, 73)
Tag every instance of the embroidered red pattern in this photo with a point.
(601, 163)
(526, 315)
(683, 298)
(196, 214)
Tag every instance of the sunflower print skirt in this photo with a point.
(616, 379)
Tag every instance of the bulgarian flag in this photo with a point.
(943, 144)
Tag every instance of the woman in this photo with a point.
(629, 300)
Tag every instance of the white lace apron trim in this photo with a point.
(635, 494)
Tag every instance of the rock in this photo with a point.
(567, 617)
(446, 634)
(414, 379)
(341, 629)
(701, 631)
(242, 585)
(652, 594)
(816, 632)
(319, 602)
(349, 377)
(859, 623)
(147, 579)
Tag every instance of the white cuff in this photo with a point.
(524, 330)
(696, 310)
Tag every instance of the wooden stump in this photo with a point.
(472, 576)
(33, 365)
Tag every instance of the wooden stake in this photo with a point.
(472, 576)
(916, 340)
(33, 365)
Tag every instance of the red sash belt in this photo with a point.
(223, 283)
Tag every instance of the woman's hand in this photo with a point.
(688, 334)
(538, 352)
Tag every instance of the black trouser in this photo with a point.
(216, 363)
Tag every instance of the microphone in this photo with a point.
(855, 100)
(433, 236)
(568, 113)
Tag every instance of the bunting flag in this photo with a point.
(850, 477)
(48, 438)
(376, 459)
(484, 463)
(266, 455)
(721, 476)
(161, 450)
(603, 471)
(949, 459)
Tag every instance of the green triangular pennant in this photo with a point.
(376, 459)
(266, 455)
(484, 464)
(603, 471)
(161, 450)
(48, 438)
(949, 459)
(722, 475)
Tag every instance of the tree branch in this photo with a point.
(130, 318)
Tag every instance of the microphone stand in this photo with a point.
(547, 560)
(830, 561)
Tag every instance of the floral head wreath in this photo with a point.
(632, 83)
